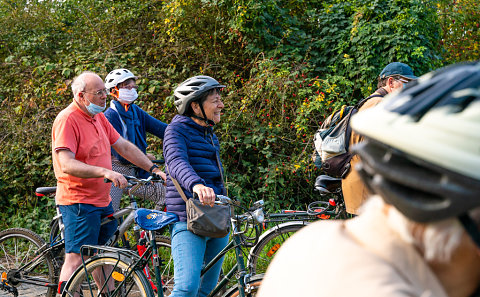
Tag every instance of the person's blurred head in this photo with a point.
(394, 76)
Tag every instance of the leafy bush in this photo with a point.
(460, 23)
(312, 57)
(287, 64)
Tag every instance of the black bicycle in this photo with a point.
(122, 270)
(29, 264)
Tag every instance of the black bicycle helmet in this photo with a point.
(422, 148)
(192, 90)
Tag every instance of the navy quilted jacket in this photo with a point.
(191, 159)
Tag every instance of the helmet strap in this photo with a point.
(205, 119)
(471, 228)
(114, 92)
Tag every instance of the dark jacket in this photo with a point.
(138, 123)
(191, 159)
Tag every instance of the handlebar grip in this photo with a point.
(195, 196)
(160, 161)
(127, 177)
(221, 199)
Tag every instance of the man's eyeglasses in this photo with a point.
(98, 93)
(403, 80)
(400, 78)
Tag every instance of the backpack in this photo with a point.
(332, 140)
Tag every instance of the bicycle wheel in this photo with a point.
(21, 257)
(263, 252)
(252, 287)
(125, 281)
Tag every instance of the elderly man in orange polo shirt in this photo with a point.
(81, 141)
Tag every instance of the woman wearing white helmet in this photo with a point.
(132, 123)
(420, 234)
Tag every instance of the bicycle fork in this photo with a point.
(141, 249)
(156, 261)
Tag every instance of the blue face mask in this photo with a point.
(93, 109)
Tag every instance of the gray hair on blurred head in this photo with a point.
(437, 240)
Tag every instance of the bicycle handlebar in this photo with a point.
(132, 180)
(221, 200)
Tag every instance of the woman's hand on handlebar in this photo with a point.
(205, 194)
(116, 178)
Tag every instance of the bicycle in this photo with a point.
(287, 222)
(27, 261)
(129, 279)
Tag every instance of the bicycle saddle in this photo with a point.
(150, 219)
(42, 191)
(328, 184)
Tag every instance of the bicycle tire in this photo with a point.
(19, 246)
(269, 242)
(81, 282)
(254, 285)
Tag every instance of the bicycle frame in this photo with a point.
(302, 215)
(57, 240)
(236, 244)
(140, 262)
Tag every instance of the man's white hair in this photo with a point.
(437, 240)
(79, 83)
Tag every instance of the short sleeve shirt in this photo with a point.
(89, 138)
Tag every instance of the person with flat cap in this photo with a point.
(392, 78)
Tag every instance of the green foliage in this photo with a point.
(460, 23)
(287, 65)
(311, 58)
(354, 39)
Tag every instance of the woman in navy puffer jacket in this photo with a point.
(191, 152)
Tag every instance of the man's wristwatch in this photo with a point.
(153, 167)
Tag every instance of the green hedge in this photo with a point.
(287, 64)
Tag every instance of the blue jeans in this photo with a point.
(190, 254)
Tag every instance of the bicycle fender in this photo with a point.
(274, 229)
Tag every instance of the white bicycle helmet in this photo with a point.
(422, 148)
(118, 76)
(192, 90)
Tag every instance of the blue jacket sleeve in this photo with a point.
(175, 151)
(154, 126)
